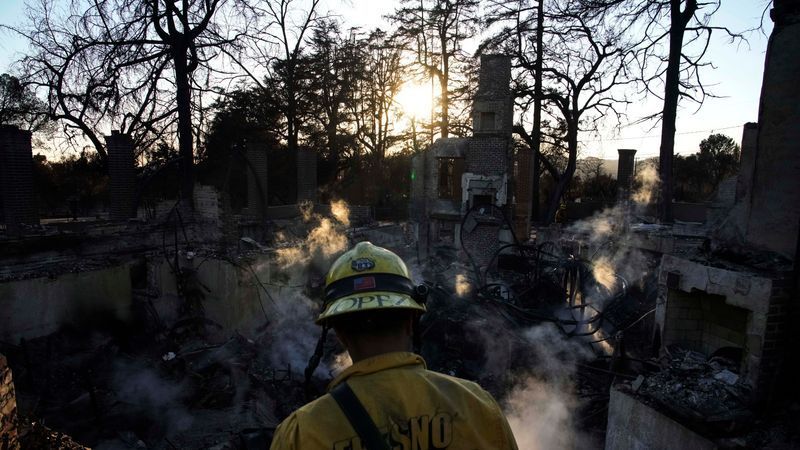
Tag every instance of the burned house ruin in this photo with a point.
(470, 178)
(188, 323)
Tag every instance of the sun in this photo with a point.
(415, 100)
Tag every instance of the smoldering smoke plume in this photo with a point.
(341, 211)
(324, 242)
(292, 332)
(648, 181)
(612, 263)
(541, 407)
(158, 398)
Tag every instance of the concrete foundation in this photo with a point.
(632, 425)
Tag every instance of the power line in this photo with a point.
(653, 136)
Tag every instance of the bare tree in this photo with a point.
(584, 65)
(673, 75)
(141, 66)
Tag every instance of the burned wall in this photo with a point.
(634, 425)
(39, 306)
(231, 294)
(774, 213)
(705, 308)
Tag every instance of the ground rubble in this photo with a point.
(708, 396)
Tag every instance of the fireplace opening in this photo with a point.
(705, 323)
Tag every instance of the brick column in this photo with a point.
(256, 155)
(306, 175)
(8, 408)
(16, 179)
(122, 176)
(625, 168)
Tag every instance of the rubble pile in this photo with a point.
(698, 389)
(121, 390)
(708, 396)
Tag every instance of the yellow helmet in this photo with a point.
(368, 277)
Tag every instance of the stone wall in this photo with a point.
(8, 408)
(16, 179)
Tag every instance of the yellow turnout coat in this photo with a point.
(414, 409)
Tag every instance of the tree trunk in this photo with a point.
(444, 79)
(537, 113)
(183, 98)
(678, 21)
(566, 176)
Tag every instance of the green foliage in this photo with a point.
(698, 175)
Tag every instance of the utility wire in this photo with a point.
(654, 136)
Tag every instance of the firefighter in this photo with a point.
(388, 399)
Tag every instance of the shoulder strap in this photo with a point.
(358, 417)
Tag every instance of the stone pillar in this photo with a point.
(8, 408)
(625, 168)
(16, 179)
(306, 175)
(775, 198)
(122, 176)
(747, 160)
(257, 199)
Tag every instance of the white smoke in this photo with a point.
(291, 336)
(158, 398)
(292, 333)
(614, 254)
(540, 408)
(324, 242)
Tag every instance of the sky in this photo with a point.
(735, 78)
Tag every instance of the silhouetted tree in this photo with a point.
(435, 30)
(674, 39)
(583, 66)
(19, 105)
(141, 66)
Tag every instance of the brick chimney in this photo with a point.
(122, 176)
(16, 179)
(625, 167)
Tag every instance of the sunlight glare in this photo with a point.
(414, 100)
